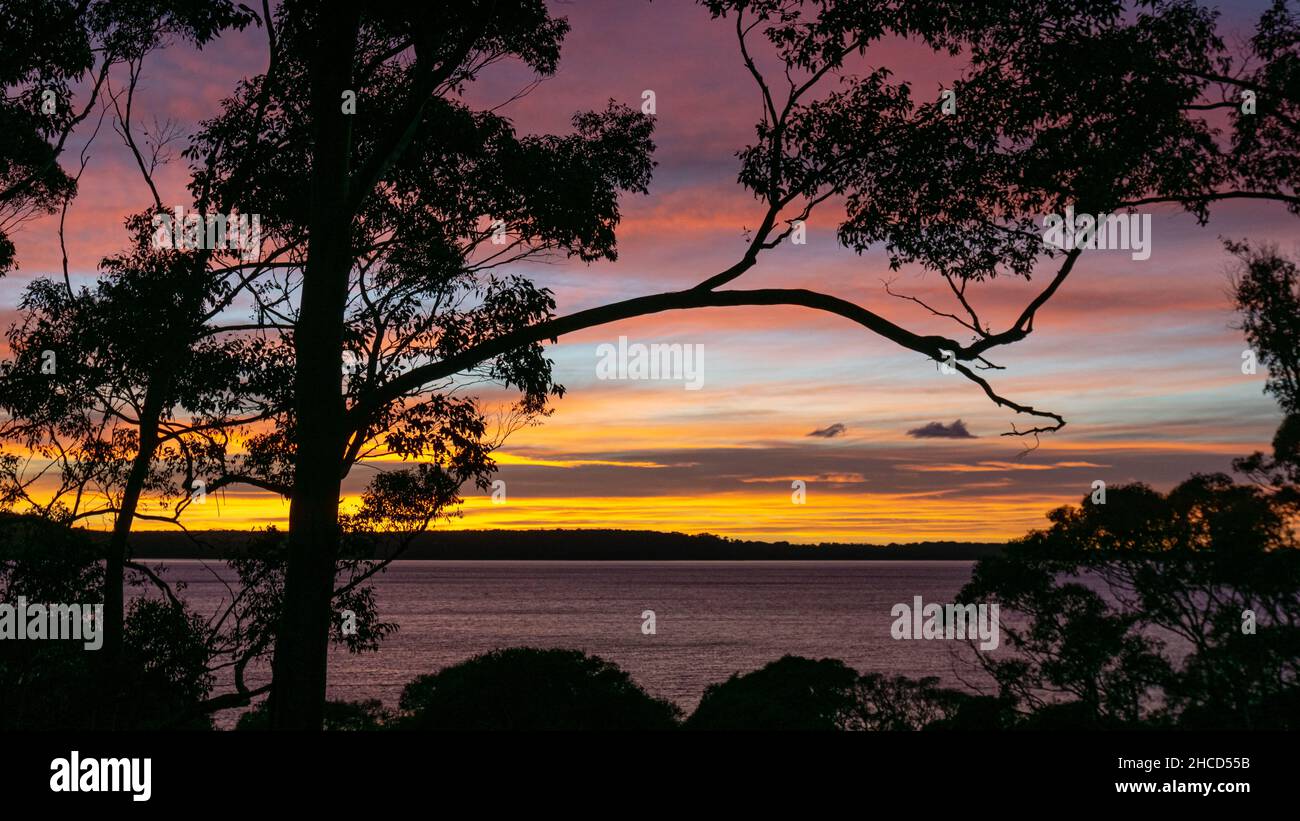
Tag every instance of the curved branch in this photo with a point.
(932, 346)
(1015, 406)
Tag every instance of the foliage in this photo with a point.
(524, 688)
(51, 45)
(1135, 610)
(339, 716)
(162, 677)
(792, 693)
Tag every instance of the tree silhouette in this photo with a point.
(808, 150)
(50, 45)
(56, 44)
(1169, 608)
(142, 394)
(1267, 294)
(388, 221)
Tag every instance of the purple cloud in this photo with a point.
(938, 430)
(830, 432)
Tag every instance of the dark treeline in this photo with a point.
(532, 689)
(586, 545)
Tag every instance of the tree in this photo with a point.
(50, 45)
(390, 213)
(858, 143)
(1267, 295)
(1152, 608)
(127, 389)
(1211, 564)
(136, 386)
(57, 44)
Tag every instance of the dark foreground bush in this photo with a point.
(524, 688)
(796, 693)
(339, 715)
(901, 703)
(791, 693)
(60, 684)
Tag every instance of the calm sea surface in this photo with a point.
(712, 618)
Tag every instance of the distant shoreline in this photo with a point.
(574, 545)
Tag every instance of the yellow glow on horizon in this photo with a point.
(839, 506)
(765, 515)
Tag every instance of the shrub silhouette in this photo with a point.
(1078, 715)
(902, 703)
(59, 684)
(525, 688)
(791, 693)
(339, 715)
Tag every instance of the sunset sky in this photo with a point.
(1139, 356)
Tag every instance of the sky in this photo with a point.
(1141, 357)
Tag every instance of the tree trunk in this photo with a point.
(115, 563)
(114, 625)
(302, 642)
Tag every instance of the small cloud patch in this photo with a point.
(938, 430)
(830, 432)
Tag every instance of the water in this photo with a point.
(712, 618)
